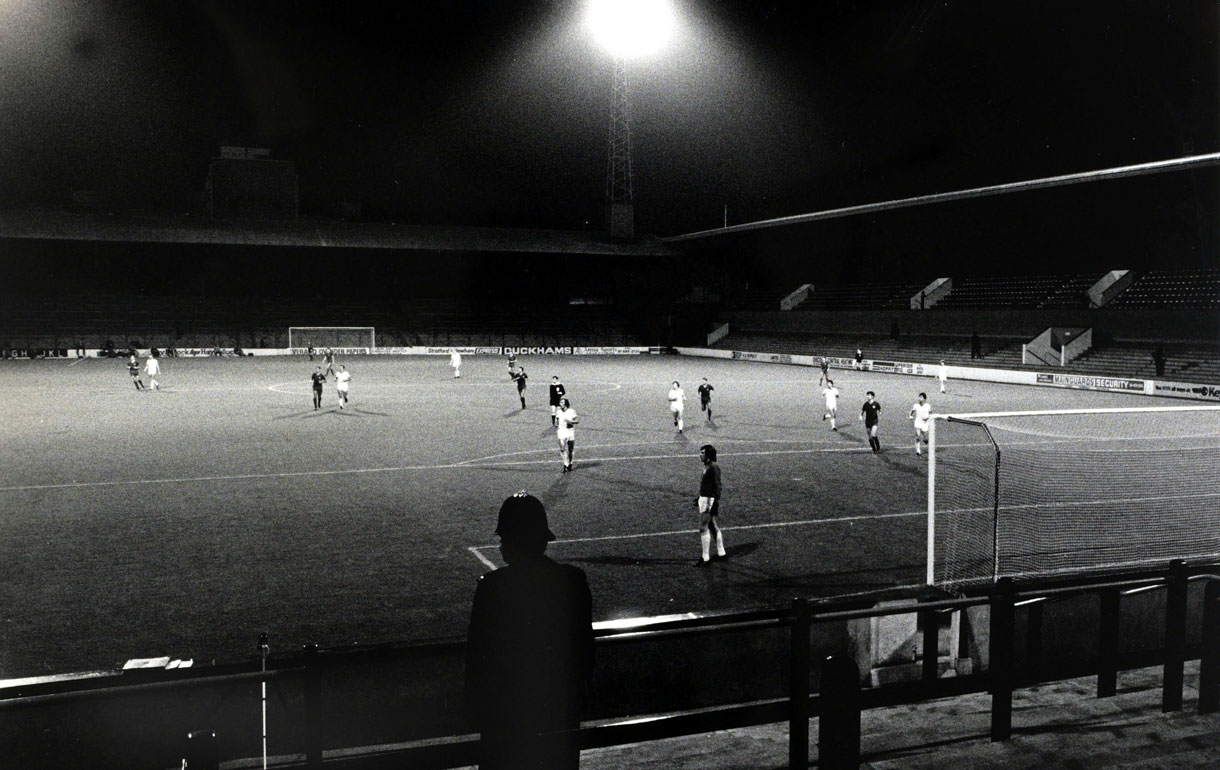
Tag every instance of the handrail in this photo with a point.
(1000, 680)
(693, 623)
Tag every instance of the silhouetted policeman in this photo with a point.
(530, 648)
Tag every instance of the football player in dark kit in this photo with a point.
(133, 368)
(705, 398)
(529, 651)
(871, 414)
(519, 376)
(318, 378)
(557, 392)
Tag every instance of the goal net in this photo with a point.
(1017, 494)
(345, 339)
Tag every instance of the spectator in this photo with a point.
(1158, 360)
(976, 346)
(530, 648)
(894, 330)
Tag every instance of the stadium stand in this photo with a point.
(1173, 289)
(869, 296)
(31, 321)
(1017, 291)
(1072, 293)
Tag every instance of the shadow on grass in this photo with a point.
(902, 466)
(370, 412)
(310, 412)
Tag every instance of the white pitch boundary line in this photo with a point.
(458, 464)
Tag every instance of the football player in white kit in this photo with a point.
(152, 367)
(677, 403)
(832, 403)
(921, 413)
(565, 421)
(342, 378)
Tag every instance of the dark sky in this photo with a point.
(496, 112)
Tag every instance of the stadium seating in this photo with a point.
(1019, 291)
(1072, 292)
(1171, 289)
(886, 296)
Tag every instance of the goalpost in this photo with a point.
(1016, 494)
(346, 339)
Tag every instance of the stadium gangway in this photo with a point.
(842, 706)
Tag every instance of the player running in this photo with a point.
(133, 368)
(824, 377)
(831, 393)
(455, 360)
(317, 378)
(566, 423)
(705, 398)
(329, 358)
(870, 413)
(942, 374)
(557, 393)
(921, 413)
(342, 378)
(677, 403)
(519, 376)
(512, 366)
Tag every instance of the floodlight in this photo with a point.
(630, 28)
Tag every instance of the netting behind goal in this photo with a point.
(1023, 494)
(301, 338)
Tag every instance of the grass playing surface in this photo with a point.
(186, 521)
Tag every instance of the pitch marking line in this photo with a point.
(476, 549)
(394, 469)
(489, 461)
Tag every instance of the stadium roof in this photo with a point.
(71, 226)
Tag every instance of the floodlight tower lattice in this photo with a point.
(620, 194)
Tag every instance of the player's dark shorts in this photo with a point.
(521, 387)
(870, 423)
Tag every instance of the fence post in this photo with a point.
(1107, 644)
(1209, 666)
(1175, 637)
(931, 644)
(839, 724)
(798, 688)
(1003, 620)
(312, 687)
(1033, 641)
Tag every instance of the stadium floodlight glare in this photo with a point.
(631, 28)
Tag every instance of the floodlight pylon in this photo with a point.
(620, 195)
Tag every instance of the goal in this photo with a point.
(348, 339)
(1017, 494)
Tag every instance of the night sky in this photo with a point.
(496, 112)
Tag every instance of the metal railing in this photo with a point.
(838, 702)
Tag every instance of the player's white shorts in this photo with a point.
(675, 407)
(921, 426)
(341, 388)
(566, 435)
(832, 406)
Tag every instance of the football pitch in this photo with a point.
(186, 521)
